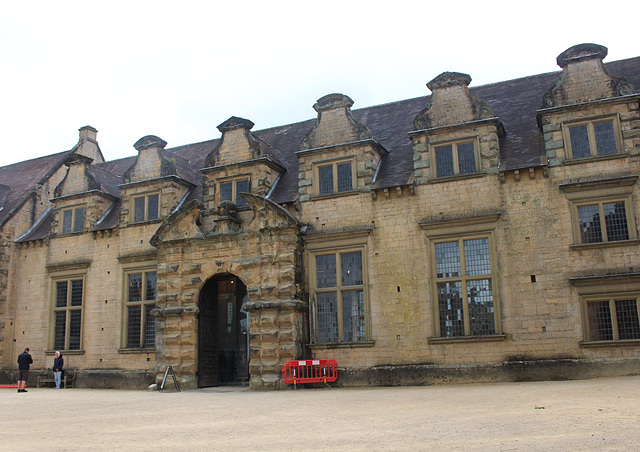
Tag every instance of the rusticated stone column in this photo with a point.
(177, 343)
(278, 333)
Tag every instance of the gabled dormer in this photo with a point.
(590, 113)
(240, 163)
(155, 184)
(338, 156)
(82, 197)
(456, 135)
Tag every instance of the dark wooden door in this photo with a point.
(208, 337)
(223, 332)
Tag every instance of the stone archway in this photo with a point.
(262, 246)
(223, 332)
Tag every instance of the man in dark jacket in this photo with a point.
(24, 361)
(58, 362)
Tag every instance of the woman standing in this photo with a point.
(58, 362)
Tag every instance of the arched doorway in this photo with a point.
(223, 332)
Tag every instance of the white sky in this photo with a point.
(177, 69)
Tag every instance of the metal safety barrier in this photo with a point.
(310, 371)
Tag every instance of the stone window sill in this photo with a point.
(333, 195)
(438, 180)
(64, 352)
(331, 345)
(588, 246)
(625, 343)
(454, 340)
(70, 234)
(141, 223)
(597, 158)
(141, 351)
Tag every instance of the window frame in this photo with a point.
(613, 318)
(463, 228)
(146, 197)
(67, 309)
(333, 163)
(456, 164)
(74, 219)
(591, 289)
(464, 279)
(600, 201)
(324, 245)
(601, 191)
(143, 303)
(593, 148)
(235, 194)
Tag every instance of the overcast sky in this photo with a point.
(179, 69)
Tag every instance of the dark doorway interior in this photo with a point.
(223, 332)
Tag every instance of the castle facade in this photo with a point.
(476, 234)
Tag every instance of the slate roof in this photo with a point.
(22, 179)
(40, 229)
(110, 218)
(514, 102)
(4, 193)
(108, 180)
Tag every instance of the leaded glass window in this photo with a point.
(444, 161)
(340, 296)
(141, 299)
(464, 283)
(593, 138)
(67, 221)
(73, 220)
(153, 207)
(580, 141)
(344, 177)
(325, 180)
(67, 334)
(603, 222)
(335, 177)
(230, 191)
(466, 158)
(146, 208)
(455, 159)
(613, 319)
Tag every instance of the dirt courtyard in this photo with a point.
(600, 414)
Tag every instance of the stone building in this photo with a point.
(475, 234)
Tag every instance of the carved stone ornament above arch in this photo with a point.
(268, 215)
(181, 225)
(184, 223)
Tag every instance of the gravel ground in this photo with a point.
(600, 414)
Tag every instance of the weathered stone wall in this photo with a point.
(19, 223)
(527, 212)
(540, 311)
(5, 260)
(98, 261)
(235, 147)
